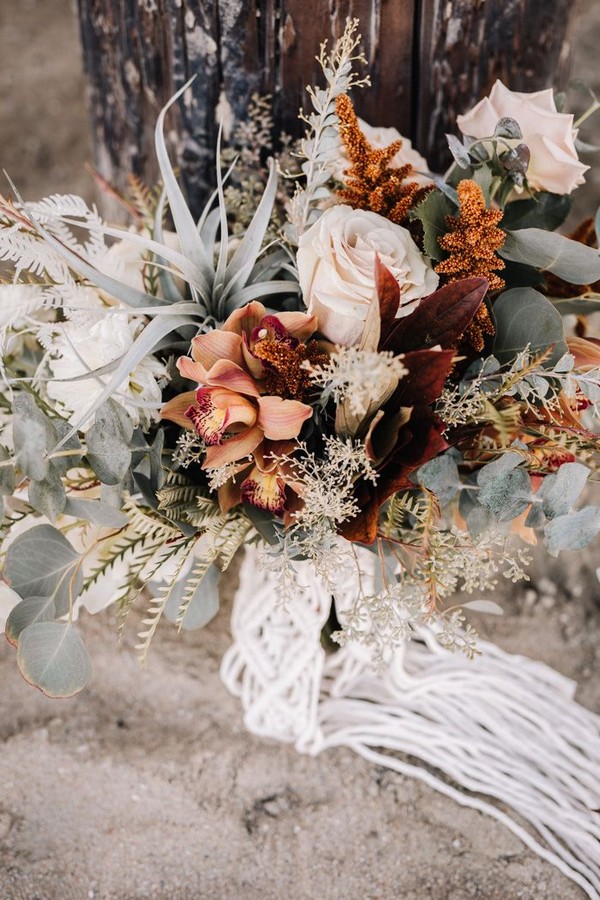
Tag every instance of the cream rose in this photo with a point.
(550, 136)
(336, 265)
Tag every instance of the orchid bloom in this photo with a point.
(251, 390)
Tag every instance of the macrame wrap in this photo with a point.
(502, 726)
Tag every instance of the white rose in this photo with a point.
(550, 136)
(382, 137)
(81, 346)
(336, 266)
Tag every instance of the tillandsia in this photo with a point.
(376, 360)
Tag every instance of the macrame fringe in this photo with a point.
(502, 726)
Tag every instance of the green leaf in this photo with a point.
(551, 252)
(440, 476)
(42, 563)
(525, 317)
(432, 214)
(7, 474)
(102, 514)
(577, 306)
(108, 456)
(560, 491)
(545, 210)
(572, 531)
(505, 490)
(26, 613)
(204, 603)
(506, 127)
(52, 656)
(191, 243)
(484, 606)
(112, 417)
(48, 496)
(32, 436)
(458, 151)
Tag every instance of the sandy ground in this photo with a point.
(147, 786)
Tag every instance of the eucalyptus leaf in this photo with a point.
(107, 455)
(577, 306)
(440, 476)
(102, 514)
(458, 151)
(26, 613)
(112, 417)
(52, 656)
(545, 210)
(561, 490)
(507, 127)
(41, 562)
(204, 604)
(7, 473)
(48, 496)
(572, 531)
(524, 317)
(504, 489)
(484, 606)
(507, 495)
(551, 252)
(32, 436)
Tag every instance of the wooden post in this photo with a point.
(429, 61)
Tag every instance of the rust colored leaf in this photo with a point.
(427, 372)
(388, 292)
(440, 319)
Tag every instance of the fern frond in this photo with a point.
(193, 582)
(230, 538)
(159, 604)
(144, 520)
(114, 553)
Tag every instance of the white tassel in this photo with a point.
(501, 725)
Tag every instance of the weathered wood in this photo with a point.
(465, 45)
(429, 60)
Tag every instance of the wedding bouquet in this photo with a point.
(344, 354)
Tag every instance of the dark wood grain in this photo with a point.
(429, 60)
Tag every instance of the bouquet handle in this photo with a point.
(503, 728)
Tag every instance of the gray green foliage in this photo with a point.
(42, 563)
(52, 656)
(28, 612)
(505, 489)
(441, 477)
(554, 253)
(525, 318)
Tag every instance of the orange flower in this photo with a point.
(251, 391)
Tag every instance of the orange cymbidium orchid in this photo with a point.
(251, 392)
